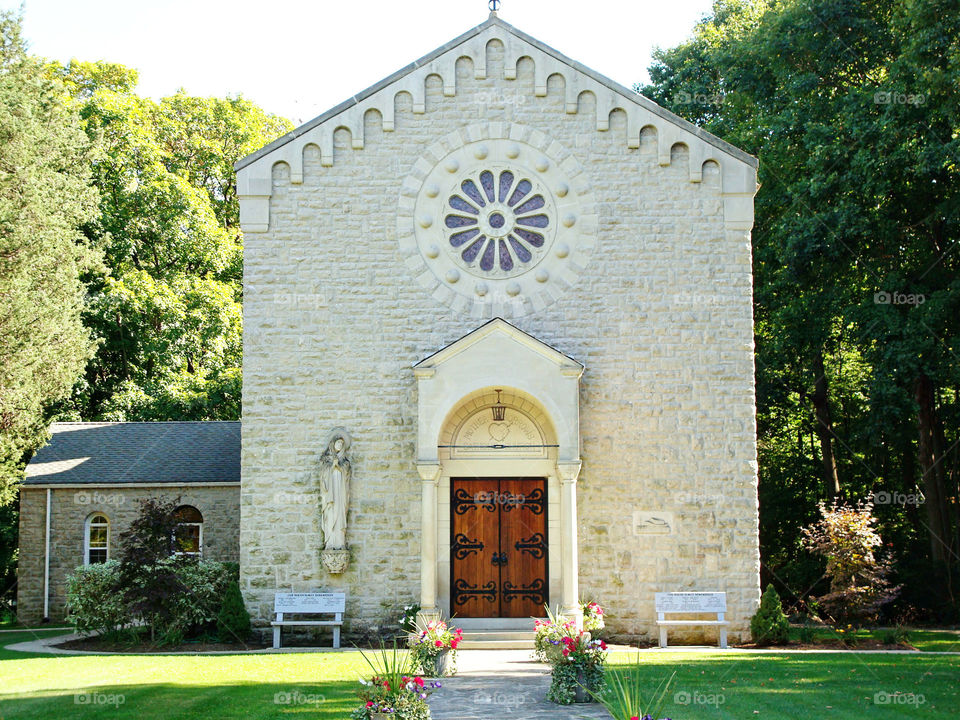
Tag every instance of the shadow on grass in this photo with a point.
(253, 701)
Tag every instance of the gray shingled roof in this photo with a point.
(138, 452)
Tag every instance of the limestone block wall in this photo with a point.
(70, 507)
(661, 317)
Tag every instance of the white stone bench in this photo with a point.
(672, 603)
(312, 604)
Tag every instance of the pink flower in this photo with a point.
(438, 643)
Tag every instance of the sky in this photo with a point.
(298, 59)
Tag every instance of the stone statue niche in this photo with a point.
(335, 475)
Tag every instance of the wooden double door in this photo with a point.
(498, 547)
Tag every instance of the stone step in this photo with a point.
(497, 640)
(491, 624)
(486, 644)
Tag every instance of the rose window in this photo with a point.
(496, 221)
(497, 225)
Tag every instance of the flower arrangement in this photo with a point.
(592, 617)
(394, 689)
(576, 657)
(434, 648)
(546, 635)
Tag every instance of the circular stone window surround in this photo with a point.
(533, 276)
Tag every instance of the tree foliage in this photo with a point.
(853, 108)
(167, 312)
(847, 538)
(45, 197)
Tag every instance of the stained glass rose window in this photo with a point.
(496, 219)
(498, 225)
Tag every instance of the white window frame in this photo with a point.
(199, 526)
(87, 525)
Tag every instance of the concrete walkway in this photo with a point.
(505, 685)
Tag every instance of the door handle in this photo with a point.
(499, 559)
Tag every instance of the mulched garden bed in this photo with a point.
(95, 644)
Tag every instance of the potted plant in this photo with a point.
(547, 634)
(434, 648)
(577, 661)
(592, 617)
(394, 690)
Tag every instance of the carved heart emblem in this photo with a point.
(499, 431)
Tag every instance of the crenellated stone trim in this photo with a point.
(738, 169)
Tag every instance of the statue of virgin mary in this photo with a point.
(335, 475)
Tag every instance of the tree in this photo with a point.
(847, 537)
(853, 107)
(45, 197)
(167, 313)
(150, 585)
(769, 625)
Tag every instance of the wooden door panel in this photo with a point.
(475, 586)
(498, 547)
(523, 539)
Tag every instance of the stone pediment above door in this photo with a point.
(538, 383)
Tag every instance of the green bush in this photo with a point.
(233, 622)
(94, 603)
(806, 634)
(205, 583)
(97, 602)
(769, 625)
(895, 636)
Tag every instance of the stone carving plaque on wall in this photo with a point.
(653, 522)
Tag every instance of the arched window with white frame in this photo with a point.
(96, 539)
(188, 536)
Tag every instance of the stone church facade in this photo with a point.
(525, 293)
(521, 296)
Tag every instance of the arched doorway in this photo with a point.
(498, 507)
(498, 457)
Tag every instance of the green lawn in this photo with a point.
(150, 687)
(924, 640)
(320, 686)
(805, 686)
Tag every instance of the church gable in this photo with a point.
(738, 169)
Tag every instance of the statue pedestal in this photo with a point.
(335, 561)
